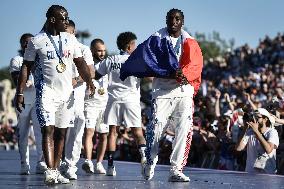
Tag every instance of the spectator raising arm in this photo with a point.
(253, 106)
(241, 144)
(217, 103)
(227, 98)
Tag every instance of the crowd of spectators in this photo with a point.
(241, 80)
(8, 137)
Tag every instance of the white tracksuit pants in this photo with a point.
(73, 142)
(24, 126)
(177, 111)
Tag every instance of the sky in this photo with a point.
(246, 21)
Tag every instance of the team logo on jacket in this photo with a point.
(115, 66)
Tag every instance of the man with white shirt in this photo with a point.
(123, 106)
(73, 141)
(261, 141)
(27, 114)
(172, 95)
(94, 114)
(55, 52)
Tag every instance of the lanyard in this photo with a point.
(58, 51)
(178, 45)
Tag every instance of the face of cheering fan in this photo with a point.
(174, 22)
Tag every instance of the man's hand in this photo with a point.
(247, 96)
(279, 93)
(180, 78)
(19, 102)
(91, 87)
(253, 125)
(227, 97)
(29, 84)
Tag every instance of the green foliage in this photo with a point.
(213, 45)
(82, 35)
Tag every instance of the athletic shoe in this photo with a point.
(99, 168)
(63, 166)
(71, 173)
(25, 169)
(61, 179)
(50, 176)
(41, 167)
(177, 176)
(111, 171)
(88, 166)
(148, 171)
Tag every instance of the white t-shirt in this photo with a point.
(99, 100)
(88, 57)
(124, 91)
(29, 92)
(46, 72)
(169, 88)
(254, 147)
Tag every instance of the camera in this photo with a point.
(249, 117)
(273, 106)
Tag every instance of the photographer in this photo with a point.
(261, 140)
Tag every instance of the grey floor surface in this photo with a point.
(128, 176)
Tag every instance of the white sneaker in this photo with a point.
(61, 179)
(50, 176)
(99, 168)
(41, 167)
(88, 166)
(177, 176)
(148, 171)
(71, 173)
(111, 171)
(25, 169)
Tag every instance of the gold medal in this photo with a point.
(61, 67)
(101, 91)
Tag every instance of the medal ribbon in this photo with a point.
(178, 45)
(58, 51)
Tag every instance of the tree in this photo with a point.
(83, 35)
(213, 45)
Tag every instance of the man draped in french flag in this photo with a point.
(175, 61)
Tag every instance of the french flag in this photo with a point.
(156, 57)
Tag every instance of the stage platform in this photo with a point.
(128, 176)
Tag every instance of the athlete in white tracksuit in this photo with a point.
(172, 103)
(28, 114)
(74, 136)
